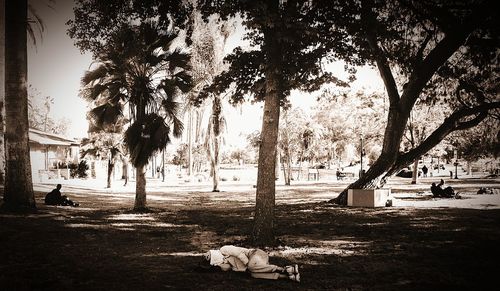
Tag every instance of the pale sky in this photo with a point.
(55, 68)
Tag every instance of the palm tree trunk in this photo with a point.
(140, 189)
(2, 91)
(124, 170)
(111, 167)
(215, 164)
(190, 143)
(414, 174)
(18, 193)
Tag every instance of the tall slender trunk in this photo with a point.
(190, 143)
(18, 193)
(213, 141)
(125, 170)
(287, 169)
(111, 167)
(278, 163)
(215, 165)
(2, 91)
(140, 188)
(414, 174)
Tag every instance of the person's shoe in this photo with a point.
(295, 277)
(292, 269)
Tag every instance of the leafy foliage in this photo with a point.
(96, 22)
(39, 113)
(481, 142)
(79, 170)
(298, 39)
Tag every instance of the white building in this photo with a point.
(51, 154)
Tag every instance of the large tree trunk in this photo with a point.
(18, 193)
(140, 189)
(263, 230)
(394, 130)
(2, 91)
(401, 105)
(390, 163)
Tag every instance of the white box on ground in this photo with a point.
(368, 197)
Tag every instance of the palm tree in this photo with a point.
(18, 191)
(213, 139)
(140, 71)
(209, 39)
(107, 145)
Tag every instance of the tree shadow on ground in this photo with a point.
(104, 245)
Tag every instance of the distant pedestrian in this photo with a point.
(425, 170)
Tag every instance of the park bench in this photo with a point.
(312, 173)
(345, 175)
(340, 176)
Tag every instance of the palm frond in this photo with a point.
(178, 59)
(106, 114)
(93, 75)
(34, 18)
(167, 39)
(94, 92)
(171, 107)
(146, 137)
(183, 81)
(178, 126)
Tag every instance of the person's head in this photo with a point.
(59, 186)
(214, 257)
(204, 264)
(206, 256)
(433, 184)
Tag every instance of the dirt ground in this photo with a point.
(420, 243)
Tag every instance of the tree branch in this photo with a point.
(420, 53)
(368, 20)
(450, 124)
(439, 55)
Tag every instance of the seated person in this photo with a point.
(55, 198)
(256, 261)
(438, 191)
(340, 175)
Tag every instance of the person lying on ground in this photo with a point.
(255, 261)
(439, 192)
(56, 198)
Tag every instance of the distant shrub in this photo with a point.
(78, 170)
(223, 178)
(236, 178)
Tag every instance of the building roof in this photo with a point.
(45, 138)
